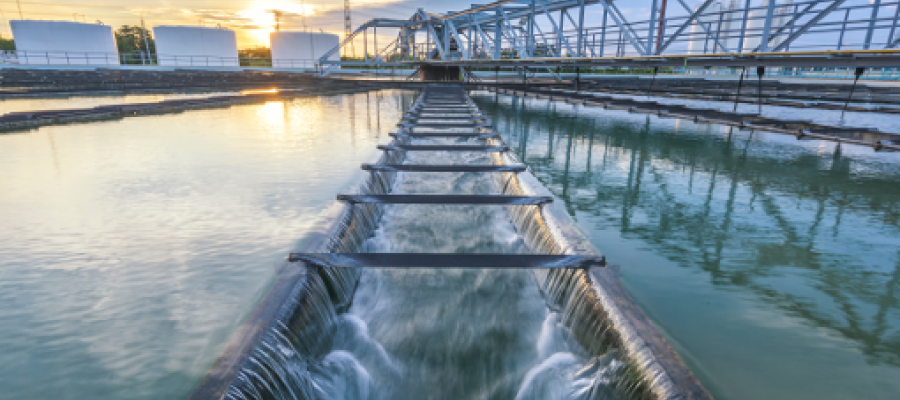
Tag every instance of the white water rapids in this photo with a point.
(458, 333)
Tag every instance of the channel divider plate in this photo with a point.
(443, 168)
(440, 125)
(438, 199)
(447, 260)
(459, 147)
(472, 135)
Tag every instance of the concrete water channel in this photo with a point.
(766, 262)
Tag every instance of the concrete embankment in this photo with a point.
(801, 129)
(33, 119)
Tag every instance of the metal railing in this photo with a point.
(26, 57)
(537, 29)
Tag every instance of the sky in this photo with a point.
(248, 18)
(252, 21)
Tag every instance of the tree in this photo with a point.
(256, 52)
(259, 56)
(129, 41)
(7, 44)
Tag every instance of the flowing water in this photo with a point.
(130, 250)
(423, 333)
(771, 264)
(458, 333)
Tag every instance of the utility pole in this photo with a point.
(347, 26)
(144, 35)
(303, 14)
(20, 9)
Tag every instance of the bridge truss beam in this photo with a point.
(535, 31)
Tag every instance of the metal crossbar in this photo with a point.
(445, 199)
(443, 168)
(454, 117)
(445, 134)
(461, 147)
(433, 125)
(447, 260)
(542, 34)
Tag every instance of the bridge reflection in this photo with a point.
(811, 228)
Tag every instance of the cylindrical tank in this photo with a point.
(64, 43)
(301, 49)
(195, 46)
(755, 23)
(698, 41)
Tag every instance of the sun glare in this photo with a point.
(261, 14)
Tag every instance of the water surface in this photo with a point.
(44, 103)
(771, 264)
(130, 250)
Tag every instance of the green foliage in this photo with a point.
(259, 56)
(7, 44)
(130, 40)
(256, 52)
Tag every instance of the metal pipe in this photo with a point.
(653, 79)
(859, 71)
(760, 71)
(737, 96)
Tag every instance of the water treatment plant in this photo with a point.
(518, 200)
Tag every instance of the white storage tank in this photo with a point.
(64, 43)
(195, 46)
(301, 49)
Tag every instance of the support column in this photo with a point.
(843, 29)
(875, 6)
(603, 33)
(764, 42)
(654, 5)
(529, 41)
(580, 28)
(893, 26)
(740, 48)
(559, 33)
(498, 35)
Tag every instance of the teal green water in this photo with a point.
(772, 265)
(130, 250)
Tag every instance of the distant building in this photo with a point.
(64, 42)
(301, 49)
(195, 46)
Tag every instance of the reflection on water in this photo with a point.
(771, 264)
(130, 250)
(20, 104)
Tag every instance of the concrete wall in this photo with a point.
(64, 43)
(195, 46)
(301, 49)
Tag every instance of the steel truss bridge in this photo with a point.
(544, 34)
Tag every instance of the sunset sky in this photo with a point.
(248, 18)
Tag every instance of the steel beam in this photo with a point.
(787, 25)
(693, 17)
(623, 26)
(809, 24)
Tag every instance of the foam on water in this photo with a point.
(425, 333)
(457, 334)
